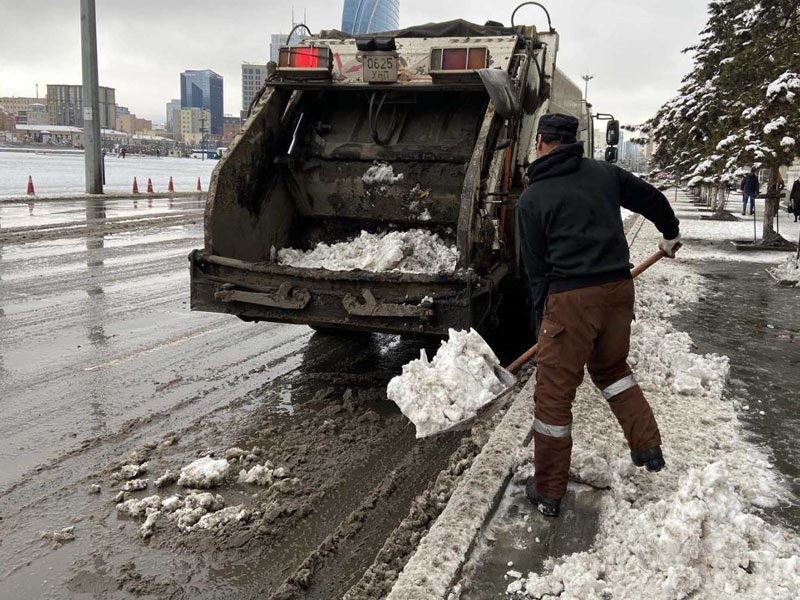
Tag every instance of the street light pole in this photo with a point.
(203, 137)
(587, 78)
(91, 99)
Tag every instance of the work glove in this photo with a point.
(670, 247)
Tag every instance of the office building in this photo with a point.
(230, 128)
(370, 16)
(172, 118)
(193, 124)
(18, 104)
(253, 77)
(203, 89)
(131, 124)
(65, 105)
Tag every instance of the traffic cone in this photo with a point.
(135, 186)
(31, 191)
(149, 186)
(199, 188)
(170, 187)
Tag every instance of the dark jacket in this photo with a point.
(570, 221)
(750, 185)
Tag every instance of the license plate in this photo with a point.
(380, 68)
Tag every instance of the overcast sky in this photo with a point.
(631, 46)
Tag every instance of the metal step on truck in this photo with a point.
(449, 112)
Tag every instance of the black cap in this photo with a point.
(563, 126)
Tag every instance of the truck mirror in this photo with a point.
(612, 132)
(611, 154)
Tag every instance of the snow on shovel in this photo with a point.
(464, 382)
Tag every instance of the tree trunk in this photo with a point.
(768, 235)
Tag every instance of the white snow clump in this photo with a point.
(381, 173)
(412, 251)
(205, 472)
(438, 394)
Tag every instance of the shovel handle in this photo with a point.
(635, 272)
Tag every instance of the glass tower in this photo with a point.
(203, 89)
(370, 16)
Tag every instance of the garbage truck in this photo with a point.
(449, 112)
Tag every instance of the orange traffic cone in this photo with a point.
(135, 186)
(31, 191)
(199, 188)
(149, 186)
(170, 187)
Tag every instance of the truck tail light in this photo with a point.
(445, 60)
(305, 62)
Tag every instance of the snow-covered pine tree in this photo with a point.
(740, 104)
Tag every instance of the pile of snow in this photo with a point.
(381, 173)
(788, 271)
(205, 472)
(438, 394)
(700, 540)
(690, 530)
(197, 510)
(413, 251)
(131, 471)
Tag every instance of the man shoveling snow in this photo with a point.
(577, 260)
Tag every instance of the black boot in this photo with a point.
(549, 507)
(652, 458)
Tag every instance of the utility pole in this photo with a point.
(587, 78)
(91, 99)
(202, 136)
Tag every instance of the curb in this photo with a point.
(435, 566)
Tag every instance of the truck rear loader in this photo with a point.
(453, 107)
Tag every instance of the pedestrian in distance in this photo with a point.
(578, 265)
(794, 199)
(750, 187)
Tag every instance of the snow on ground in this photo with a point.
(61, 174)
(693, 529)
(412, 251)
(196, 509)
(438, 394)
(788, 271)
(381, 173)
(717, 235)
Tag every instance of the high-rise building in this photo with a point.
(65, 105)
(122, 110)
(253, 77)
(370, 16)
(203, 89)
(172, 106)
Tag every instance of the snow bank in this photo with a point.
(690, 530)
(381, 173)
(413, 251)
(438, 394)
(788, 271)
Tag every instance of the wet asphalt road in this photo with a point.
(100, 357)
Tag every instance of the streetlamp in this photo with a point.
(587, 78)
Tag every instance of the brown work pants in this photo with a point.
(587, 327)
